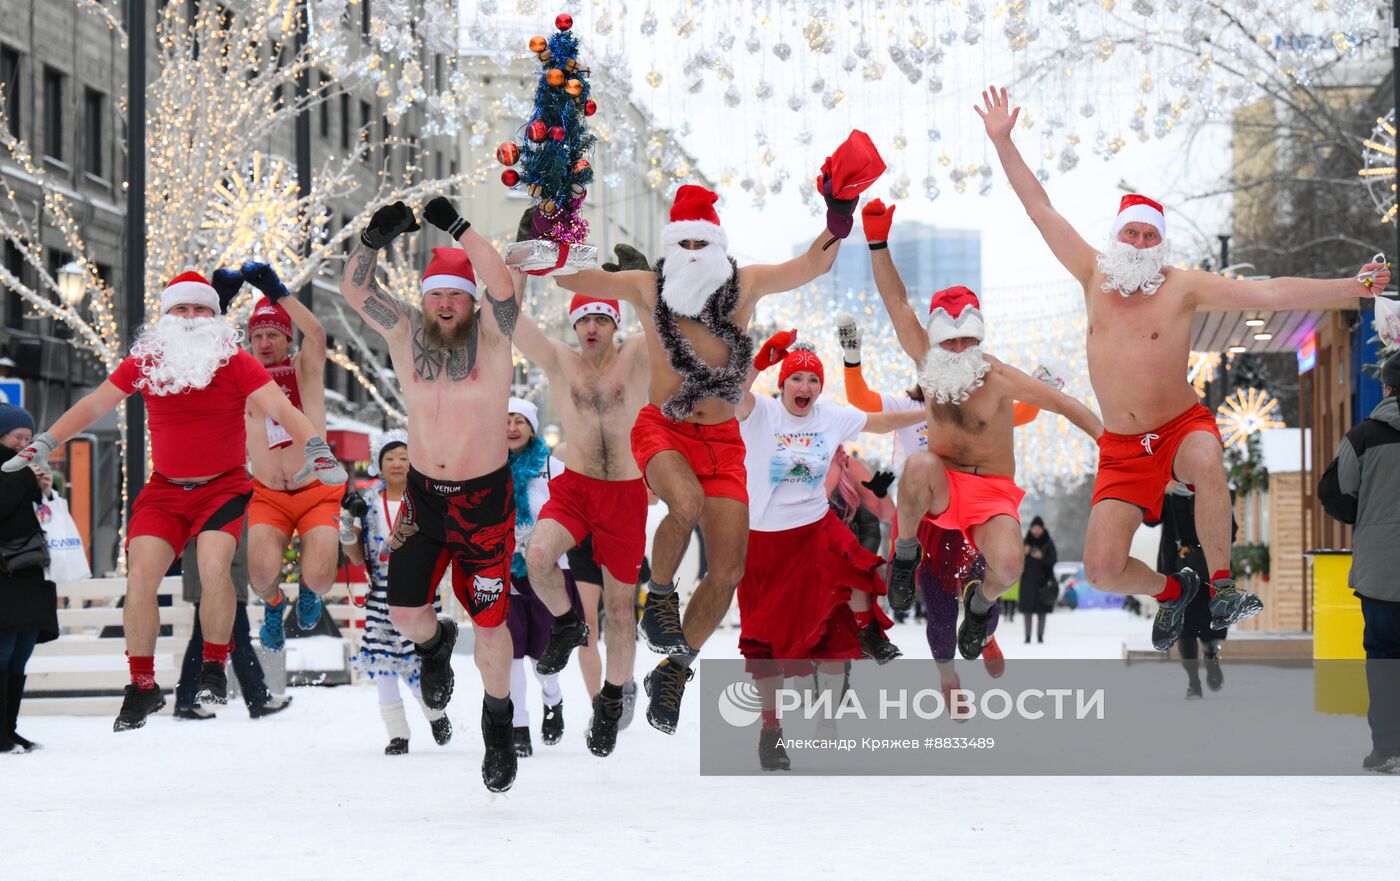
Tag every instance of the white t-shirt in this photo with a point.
(907, 441)
(787, 458)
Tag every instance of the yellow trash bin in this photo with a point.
(1339, 679)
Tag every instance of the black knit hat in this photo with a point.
(1390, 371)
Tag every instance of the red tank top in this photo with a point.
(285, 375)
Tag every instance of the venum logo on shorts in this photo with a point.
(444, 488)
(485, 591)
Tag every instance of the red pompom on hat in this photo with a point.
(189, 289)
(801, 357)
(581, 305)
(449, 268)
(1140, 209)
(693, 216)
(955, 312)
(270, 314)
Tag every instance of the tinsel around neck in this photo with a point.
(699, 380)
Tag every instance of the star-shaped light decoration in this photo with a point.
(1244, 413)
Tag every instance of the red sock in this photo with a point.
(277, 600)
(863, 619)
(1219, 575)
(1171, 592)
(216, 651)
(770, 718)
(143, 671)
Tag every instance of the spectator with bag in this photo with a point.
(28, 601)
(68, 560)
(1039, 589)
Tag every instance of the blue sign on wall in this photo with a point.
(12, 391)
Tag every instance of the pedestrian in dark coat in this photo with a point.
(1039, 589)
(1180, 548)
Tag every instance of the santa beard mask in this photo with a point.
(183, 353)
(951, 377)
(691, 277)
(1130, 269)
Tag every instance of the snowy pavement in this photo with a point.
(307, 794)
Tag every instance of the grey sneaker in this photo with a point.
(1171, 614)
(629, 703)
(1229, 604)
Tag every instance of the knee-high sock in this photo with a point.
(518, 694)
(388, 688)
(395, 722)
(549, 688)
(429, 713)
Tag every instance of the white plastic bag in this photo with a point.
(1388, 320)
(67, 560)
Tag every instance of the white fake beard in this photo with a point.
(1130, 269)
(691, 277)
(952, 377)
(183, 353)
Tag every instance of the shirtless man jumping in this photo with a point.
(453, 361)
(280, 506)
(966, 479)
(597, 390)
(694, 309)
(1139, 340)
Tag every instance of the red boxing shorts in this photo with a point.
(178, 511)
(715, 452)
(614, 512)
(1136, 468)
(472, 522)
(973, 499)
(295, 510)
(793, 597)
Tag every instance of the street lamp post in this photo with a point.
(72, 287)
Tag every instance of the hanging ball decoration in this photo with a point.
(508, 153)
(557, 133)
(590, 107)
(574, 87)
(510, 177)
(563, 21)
(537, 130)
(581, 166)
(537, 44)
(554, 76)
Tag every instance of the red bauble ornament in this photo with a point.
(557, 133)
(508, 153)
(563, 21)
(510, 177)
(581, 166)
(590, 107)
(537, 130)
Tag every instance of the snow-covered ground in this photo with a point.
(308, 794)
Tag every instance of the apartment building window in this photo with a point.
(9, 77)
(366, 115)
(53, 113)
(325, 109)
(364, 18)
(94, 103)
(345, 120)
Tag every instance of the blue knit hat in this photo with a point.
(12, 417)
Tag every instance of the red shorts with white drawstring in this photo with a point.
(1135, 468)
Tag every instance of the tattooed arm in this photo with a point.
(376, 306)
(492, 270)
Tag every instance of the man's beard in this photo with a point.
(692, 277)
(180, 354)
(453, 338)
(1130, 269)
(951, 377)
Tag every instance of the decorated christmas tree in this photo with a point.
(551, 159)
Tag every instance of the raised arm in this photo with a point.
(1209, 289)
(773, 350)
(884, 423)
(376, 306)
(320, 463)
(530, 340)
(312, 352)
(1065, 243)
(858, 394)
(89, 408)
(629, 285)
(762, 279)
(501, 293)
(1032, 391)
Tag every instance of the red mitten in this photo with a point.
(876, 218)
(775, 349)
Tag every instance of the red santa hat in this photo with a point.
(189, 289)
(582, 305)
(449, 268)
(270, 314)
(955, 312)
(693, 216)
(1139, 209)
(801, 357)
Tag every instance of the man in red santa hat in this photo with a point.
(197, 383)
(694, 308)
(966, 478)
(281, 505)
(1140, 311)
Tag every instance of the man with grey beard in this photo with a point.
(966, 478)
(1139, 340)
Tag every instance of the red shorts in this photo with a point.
(793, 597)
(1136, 468)
(177, 512)
(296, 510)
(614, 512)
(974, 499)
(715, 452)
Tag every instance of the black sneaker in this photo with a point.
(661, 625)
(771, 755)
(137, 704)
(552, 728)
(435, 677)
(874, 644)
(1215, 676)
(274, 705)
(397, 747)
(499, 763)
(520, 736)
(1193, 691)
(213, 683)
(1230, 604)
(1171, 615)
(972, 632)
(1382, 761)
(195, 713)
(666, 686)
(563, 639)
(602, 730)
(442, 730)
(901, 586)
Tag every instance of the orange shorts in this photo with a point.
(973, 499)
(296, 510)
(715, 452)
(1136, 468)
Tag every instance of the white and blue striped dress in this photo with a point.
(383, 650)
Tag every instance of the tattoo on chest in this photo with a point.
(507, 311)
(455, 364)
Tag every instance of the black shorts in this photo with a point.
(582, 565)
(471, 523)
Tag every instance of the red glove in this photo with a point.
(876, 220)
(775, 349)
